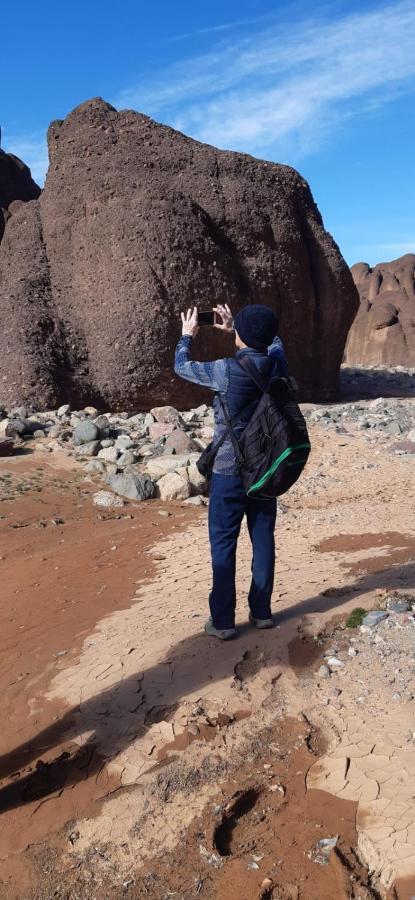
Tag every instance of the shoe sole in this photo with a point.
(263, 624)
(224, 635)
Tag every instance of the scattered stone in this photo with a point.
(335, 663)
(91, 411)
(173, 487)
(107, 442)
(108, 500)
(160, 465)
(95, 467)
(124, 442)
(127, 458)
(63, 410)
(110, 454)
(159, 430)
(133, 486)
(374, 618)
(166, 414)
(398, 606)
(324, 672)
(6, 447)
(178, 442)
(90, 449)
(85, 433)
(193, 501)
(104, 426)
(148, 420)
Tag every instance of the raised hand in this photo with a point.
(227, 318)
(189, 322)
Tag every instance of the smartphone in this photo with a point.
(206, 317)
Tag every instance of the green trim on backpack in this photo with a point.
(277, 462)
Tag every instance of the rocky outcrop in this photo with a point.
(136, 222)
(383, 332)
(16, 186)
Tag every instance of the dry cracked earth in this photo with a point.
(140, 758)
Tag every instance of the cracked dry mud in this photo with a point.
(128, 736)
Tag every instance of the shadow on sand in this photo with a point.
(126, 696)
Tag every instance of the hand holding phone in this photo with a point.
(206, 317)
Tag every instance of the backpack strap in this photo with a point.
(229, 429)
(245, 363)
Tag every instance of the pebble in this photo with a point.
(374, 618)
(335, 663)
(324, 672)
(107, 500)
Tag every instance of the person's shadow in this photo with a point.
(122, 712)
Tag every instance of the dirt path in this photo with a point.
(123, 722)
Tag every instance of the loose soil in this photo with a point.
(129, 739)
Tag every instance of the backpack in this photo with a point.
(274, 447)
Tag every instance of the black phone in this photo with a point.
(206, 317)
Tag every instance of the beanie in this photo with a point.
(256, 325)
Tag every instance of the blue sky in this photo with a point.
(328, 89)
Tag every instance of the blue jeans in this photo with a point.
(227, 506)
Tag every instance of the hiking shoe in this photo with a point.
(261, 623)
(224, 634)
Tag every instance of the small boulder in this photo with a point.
(95, 467)
(124, 442)
(159, 430)
(21, 427)
(91, 411)
(85, 432)
(197, 482)
(108, 500)
(194, 501)
(165, 414)
(132, 485)
(128, 458)
(63, 410)
(110, 454)
(89, 449)
(173, 487)
(160, 465)
(6, 447)
(103, 425)
(178, 442)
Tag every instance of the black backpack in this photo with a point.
(274, 447)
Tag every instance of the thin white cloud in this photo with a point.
(32, 150)
(289, 81)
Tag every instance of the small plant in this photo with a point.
(356, 617)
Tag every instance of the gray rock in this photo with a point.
(108, 500)
(374, 618)
(85, 432)
(107, 442)
(127, 458)
(95, 467)
(22, 427)
(133, 486)
(398, 606)
(166, 414)
(103, 425)
(178, 442)
(89, 449)
(324, 672)
(148, 420)
(91, 411)
(63, 410)
(55, 431)
(110, 454)
(19, 412)
(124, 442)
(193, 501)
(393, 428)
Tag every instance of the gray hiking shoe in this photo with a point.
(224, 634)
(261, 623)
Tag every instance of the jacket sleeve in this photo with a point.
(277, 353)
(213, 375)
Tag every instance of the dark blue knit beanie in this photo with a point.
(256, 325)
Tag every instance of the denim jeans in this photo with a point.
(227, 506)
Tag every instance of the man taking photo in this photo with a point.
(255, 328)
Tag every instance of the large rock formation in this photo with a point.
(136, 222)
(16, 185)
(383, 332)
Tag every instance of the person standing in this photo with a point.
(255, 328)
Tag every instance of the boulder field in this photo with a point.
(136, 222)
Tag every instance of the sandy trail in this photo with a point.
(113, 678)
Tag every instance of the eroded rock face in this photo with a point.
(16, 186)
(136, 222)
(383, 332)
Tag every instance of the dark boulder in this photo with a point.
(136, 222)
